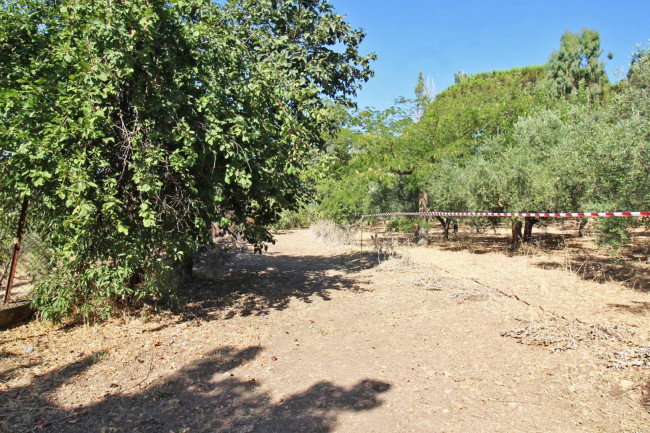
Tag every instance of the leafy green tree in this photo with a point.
(366, 174)
(460, 119)
(577, 64)
(569, 158)
(481, 105)
(623, 175)
(449, 189)
(134, 125)
(504, 142)
(392, 151)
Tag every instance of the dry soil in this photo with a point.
(309, 337)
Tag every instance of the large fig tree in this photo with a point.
(133, 125)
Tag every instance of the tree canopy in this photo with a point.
(135, 125)
(577, 64)
(393, 156)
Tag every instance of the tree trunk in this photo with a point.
(528, 228)
(17, 241)
(421, 234)
(515, 242)
(494, 221)
(581, 226)
(423, 201)
(136, 278)
(187, 266)
(445, 223)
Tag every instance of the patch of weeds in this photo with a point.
(97, 357)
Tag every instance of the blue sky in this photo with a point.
(440, 38)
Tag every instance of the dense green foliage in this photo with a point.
(531, 139)
(577, 65)
(135, 125)
(456, 122)
(384, 159)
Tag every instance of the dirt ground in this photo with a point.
(454, 337)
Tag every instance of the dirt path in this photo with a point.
(307, 338)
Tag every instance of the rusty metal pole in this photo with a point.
(17, 241)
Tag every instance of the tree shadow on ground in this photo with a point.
(637, 307)
(594, 267)
(485, 243)
(255, 284)
(476, 244)
(202, 397)
(629, 268)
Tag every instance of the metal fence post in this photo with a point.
(14, 258)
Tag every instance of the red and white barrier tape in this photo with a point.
(517, 214)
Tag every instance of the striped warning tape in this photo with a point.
(516, 214)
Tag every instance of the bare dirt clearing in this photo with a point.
(312, 338)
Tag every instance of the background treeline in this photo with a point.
(554, 137)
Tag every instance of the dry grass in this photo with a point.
(331, 233)
(636, 357)
(554, 244)
(468, 295)
(427, 282)
(560, 334)
(402, 262)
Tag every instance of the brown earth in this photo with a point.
(455, 337)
